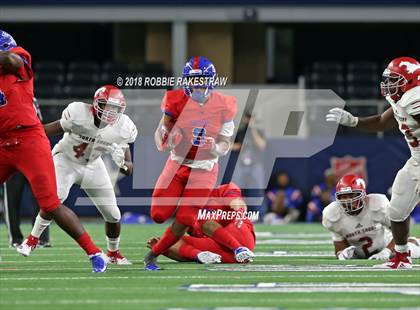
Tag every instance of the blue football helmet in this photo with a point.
(199, 67)
(6, 41)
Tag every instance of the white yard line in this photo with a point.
(267, 234)
(284, 299)
(301, 268)
(147, 275)
(400, 288)
(294, 254)
(294, 242)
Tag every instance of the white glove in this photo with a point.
(385, 254)
(347, 253)
(118, 155)
(342, 117)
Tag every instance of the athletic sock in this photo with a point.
(188, 252)
(401, 248)
(39, 226)
(168, 239)
(224, 238)
(87, 244)
(113, 244)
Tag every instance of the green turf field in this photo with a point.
(60, 277)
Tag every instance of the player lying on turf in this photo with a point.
(359, 223)
(24, 146)
(199, 246)
(197, 126)
(89, 132)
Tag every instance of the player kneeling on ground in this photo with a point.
(89, 132)
(199, 246)
(359, 223)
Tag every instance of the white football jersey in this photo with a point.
(368, 231)
(404, 109)
(83, 141)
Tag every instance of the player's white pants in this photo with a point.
(95, 181)
(405, 191)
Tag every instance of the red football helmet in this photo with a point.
(351, 193)
(109, 104)
(400, 75)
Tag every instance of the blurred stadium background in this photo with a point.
(341, 45)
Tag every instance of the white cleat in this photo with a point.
(400, 261)
(117, 259)
(244, 255)
(25, 249)
(207, 257)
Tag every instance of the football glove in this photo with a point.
(169, 140)
(217, 149)
(347, 253)
(118, 155)
(385, 254)
(342, 117)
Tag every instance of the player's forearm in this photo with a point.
(339, 247)
(162, 132)
(10, 61)
(53, 129)
(380, 122)
(160, 139)
(371, 123)
(127, 169)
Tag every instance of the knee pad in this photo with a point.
(396, 213)
(160, 212)
(111, 214)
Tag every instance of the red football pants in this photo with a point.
(29, 152)
(184, 188)
(244, 234)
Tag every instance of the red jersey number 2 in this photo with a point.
(368, 243)
(412, 139)
(79, 150)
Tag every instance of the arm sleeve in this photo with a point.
(231, 109)
(168, 106)
(413, 108)
(133, 134)
(66, 120)
(227, 129)
(330, 226)
(336, 237)
(25, 72)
